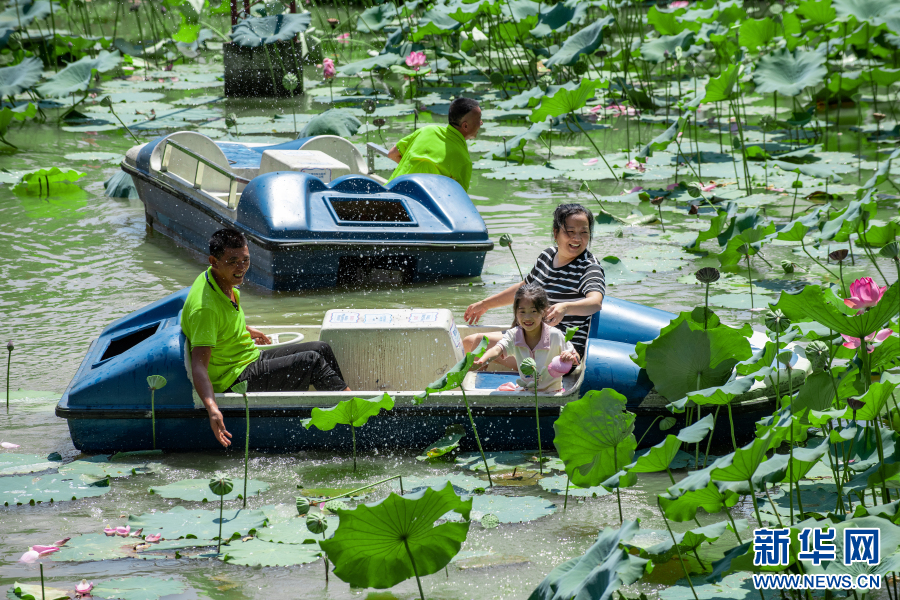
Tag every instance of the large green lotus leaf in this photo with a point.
(20, 464)
(594, 437)
(781, 467)
(689, 540)
(557, 485)
(76, 77)
(666, 22)
(504, 150)
(202, 524)
(564, 101)
(98, 467)
(523, 100)
(663, 47)
(293, 531)
(796, 230)
(815, 498)
(789, 73)
(197, 490)
(257, 553)
(709, 498)
(718, 395)
(21, 591)
(743, 462)
(817, 393)
(736, 586)
(138, 588)
(94, 547)
(377, 18)
(847, 222)
(820, 13)
(448, 443)
(461, 483)
(355, 412)
(260, 31)
(585, 41)
(373, 544)
(497, 460)
(39, 181)
(48, 488)
(337, 121)
(876, 398)
(18, 78)
(603, 569)
(688, 358)
(816, 304)
(881, 175)
(721, 88)
(560, 18)
(454, 377)
(25, 12)
(874, 11)
(696, 432)
(508, 509)
(757, 32)
(658, 458)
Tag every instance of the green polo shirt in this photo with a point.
(210, 319)
(440, 150)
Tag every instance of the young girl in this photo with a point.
(531, 337)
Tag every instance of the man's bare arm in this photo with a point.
(200, 356)
(394, 154)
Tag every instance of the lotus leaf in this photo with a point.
(603, 569)
(689, 540)
(742, 464)
(100, 467)
(26, 12)
(709, 498)
(337, 121)
(18, 78)
(355, 412)
(95, 547)
(257, 553)
(48, 488)
(818, 12)
(873, 11)
(666, 22)
(789, 73)
(76, 77)
(663, 48)
(721, 88)
(814, 303)
(594, 437)
(376, 18)
(21, 591)
(454, 377)
(197, 490)
(508, 509)
(564, 101)
(259, 31)
(90, 156)
(558, 485)
(525, 173)
(781, 467)
(374, 544)
(16, 464)
(505, 149)
(585, 41)
(293, 531)
(875, 398)
(202, 524)
(560, 18)
(448, 443)
(658, 458)
(815, 499)
(501, 461)
(757, 32)
(138, 588)
(846, 222)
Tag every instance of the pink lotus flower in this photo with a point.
(509, 386)
(45, 550)
(864, 293)
(123, 531)
(29, 557)
(328, 70)
(137, 533)
(635, 165)
(633, 190)
(84, 588)
(61, 542)
(9, 445)
(672, 186)
(415, 60)
(620, 110)
(153, 538)
(734, 125)
(558, 367)
(854, 343)
(342, 39)
(679, 4)
(592, 161)
(708, 188)
(109, 531)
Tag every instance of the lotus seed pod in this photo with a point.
(497, 78)
(156, 382)
(580, 67)
(839, 255)
(316, 523)
(879, 117)
(302, 505)
(506, 240)
(776, 321)
(290, 82)
(106, 101)
(10, 346)
(528, 367)
(855, 403)
(707, 275)
(336, 505)
(490, 521)
(368, 107)
(657, 201)
(333, 22)
(379, 122)
(788, 266)
(817, 354)
(744, 249)
(891, 250)
(221, 485)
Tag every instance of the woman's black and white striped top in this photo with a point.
(569, 283)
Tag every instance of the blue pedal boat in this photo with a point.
(314, 214)
(395, 351)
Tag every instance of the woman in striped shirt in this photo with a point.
(574, 281)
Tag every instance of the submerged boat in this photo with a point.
(398, 351)
(314, 213)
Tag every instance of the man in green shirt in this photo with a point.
(223, 347)
(441, 150)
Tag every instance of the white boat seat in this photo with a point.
(185, 167)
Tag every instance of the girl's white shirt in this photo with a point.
(551, 345)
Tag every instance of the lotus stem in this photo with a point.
(477, 439)
(246, 445)
(325, 558)
(43, 594)
(8, 363)
(537, 419)
(415, 570)
(371, 485)
(661, 222)
(753, 498)
(706, 307)
(777, 516)
(733, 525)
(153, 414)
(731, 422)
(221, 509)
(271, 71)
(646, 431)
(709, 441)
(885, 495)
(803, 246)
(566, 501)
(131, 133)
(603, 158)
(677, 548)
(750, 278)
(517, 265)
(353, 434)
(618, 494)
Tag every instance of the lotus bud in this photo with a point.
(528, 367)
(379, 122)
(221, 485)
(817, 354)
(230, 120)
(839, 255)
(679, 52)
(788, 266)
(506, 240)
(855, 404)
(84, 588)
(290, 82)
(302, 505)
(776, 321)
(316, 523)
(891, 250)
(10, 346)
(707, 275)
(879, 117)
(156, 382)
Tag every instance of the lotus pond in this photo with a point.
(736, 155)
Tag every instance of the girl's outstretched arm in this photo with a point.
(504, 298)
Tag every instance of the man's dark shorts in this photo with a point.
(293, 368)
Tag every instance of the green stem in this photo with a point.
(566, 501)
(709, 441)
(153, 414)
(517, 263)
(734, 526)
(477, 439)
(272, 72)
(246, 446)
(415, 571)
(371, 485)
(43, 595)
(755, 505)
(648, 429)
(8, 363)
(221, 508)
(803, 246)
(618, 494)
(706, 307)
(677, 549)
(777, 516)
(353, 433)
(603, 158)
(537, 419)
(731, 422)
(750, 277)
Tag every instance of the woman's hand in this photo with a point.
(475, 312)
(556, 313)
(259, 337)
(570, 356)
(481, 363)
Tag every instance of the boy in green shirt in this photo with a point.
(223, 347)
(441, 150)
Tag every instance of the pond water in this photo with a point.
(73, 262)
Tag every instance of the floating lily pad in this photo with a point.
(94, 547)
(322, 493)
(202, 524)
(48, 488)
(509, 509)
(99, 467)
(557, 485)
(499, 461)
(20, 464)
(737, 586)
(257, 553)
(138, 588)
(21, 591)
(294, 531)
(461, 483)
(197, 490)
(94, 156)
(816, 499)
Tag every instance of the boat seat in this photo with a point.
(185, 167)
(244, 159)
(491, 380)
